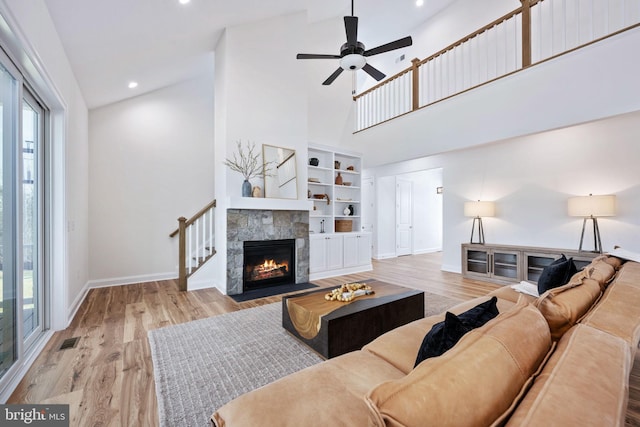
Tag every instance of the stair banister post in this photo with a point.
(182, 253)
(415, 90)
(526, 33)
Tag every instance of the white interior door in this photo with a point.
(404, 217)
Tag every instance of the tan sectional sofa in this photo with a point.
(561, 359)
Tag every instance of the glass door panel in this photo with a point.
(8, 273)
(31, 280)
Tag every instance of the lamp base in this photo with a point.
(597, 243)
(480, 231)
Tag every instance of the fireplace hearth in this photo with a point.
(268, 263)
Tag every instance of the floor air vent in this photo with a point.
(69, 343)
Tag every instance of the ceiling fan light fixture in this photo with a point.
(353, 61)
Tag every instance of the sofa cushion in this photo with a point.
(584, 383)
(556, 274)
(614, 261)
(400, 345)
(563, 306)
(329, 393)
(618, 312)
(444, 335)
(601, 271)
(508, 293)
(475, 383)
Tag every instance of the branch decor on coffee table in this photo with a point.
(348, 292)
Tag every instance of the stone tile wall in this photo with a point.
(252, 224)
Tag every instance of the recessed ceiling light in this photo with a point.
(133, 85)
(419, 2)
(184, 1)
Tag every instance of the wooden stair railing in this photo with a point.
(195, 242)
(516, 38)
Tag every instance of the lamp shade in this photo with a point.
(479, 209)
(596, 206)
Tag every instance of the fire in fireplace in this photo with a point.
(268, 263)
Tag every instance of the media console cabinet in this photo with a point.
(507, 264)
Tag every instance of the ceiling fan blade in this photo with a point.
(333, 76)
(407, 41)
(316, 56)
(351, 28)
(373, 72)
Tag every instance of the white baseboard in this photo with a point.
(384, 256)
(451, 268)
(77, 302)
(202, 284)
(426, 251)
(130, 280)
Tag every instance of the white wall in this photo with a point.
(261, 97)
(150, 162)
(36, 46)
(530, 178)
(266, 100)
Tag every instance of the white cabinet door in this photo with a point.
(357, 249)
(325, 253)
(351, 250)
(364, 249)
(317, 254)
(334, 252)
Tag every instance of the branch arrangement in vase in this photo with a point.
(248, 163)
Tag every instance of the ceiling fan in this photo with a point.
(353, 55)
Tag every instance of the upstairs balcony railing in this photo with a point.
(534, 32)
(195, 242)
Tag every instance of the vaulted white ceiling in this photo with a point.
(162, 42)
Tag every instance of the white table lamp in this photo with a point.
(590, 208)
(477, 210)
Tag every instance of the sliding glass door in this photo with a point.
(21, 218)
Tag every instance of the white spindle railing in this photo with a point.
(196, 243)
(496, 50)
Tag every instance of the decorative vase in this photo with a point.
(350, 210)
(246, 188)
(339, 179)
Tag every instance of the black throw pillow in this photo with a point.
(444, 335)
(556, 274)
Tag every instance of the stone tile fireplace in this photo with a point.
(258, 225)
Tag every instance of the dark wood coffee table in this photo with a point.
(333, 328)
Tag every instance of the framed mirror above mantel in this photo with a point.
(281, 182)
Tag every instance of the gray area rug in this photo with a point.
(201, 365)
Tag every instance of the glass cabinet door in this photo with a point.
(505, 265)
(477, 262)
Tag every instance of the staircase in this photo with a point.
(195, 242)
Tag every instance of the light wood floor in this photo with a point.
(107, 379)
